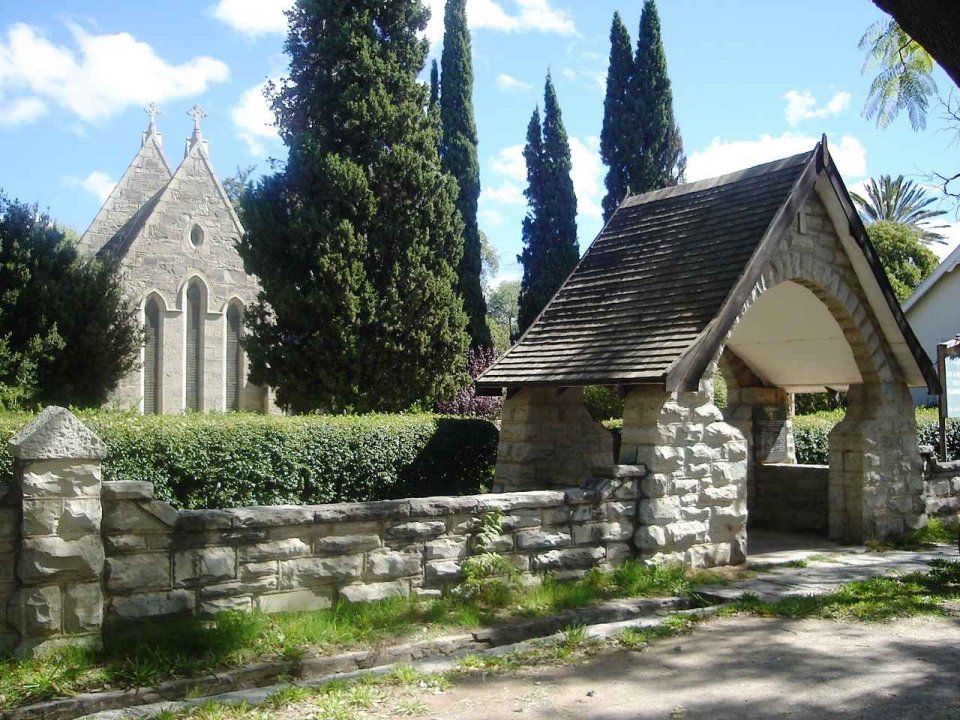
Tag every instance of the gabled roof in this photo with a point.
(654, 296)
(147, 174)
(950, 263)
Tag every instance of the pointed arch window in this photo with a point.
(234, 370)
(152, 354)
(193, 372)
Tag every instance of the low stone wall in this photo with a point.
(788, 497)
(9, 547)
(160, 561)
(941, 486)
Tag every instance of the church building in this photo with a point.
(174, 233)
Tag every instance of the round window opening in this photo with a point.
(196, 236)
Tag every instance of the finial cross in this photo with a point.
(152, 110)
(197, 113)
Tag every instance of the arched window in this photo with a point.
(196, 236)
(152, 364)
(234, 372)
(194, 364)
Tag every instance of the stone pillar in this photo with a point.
(693, 505)
(548, 440)
(876, 474)
(59, 597)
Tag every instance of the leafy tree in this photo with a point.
(490, 263)
(935, 24)
(902, 255)
(655, 153)
(237, 184)
(504, 307)
(550, 242)
(899, 201)
(67, 333)
(903, 81)
(618, 120)
(458, 154)
(356, 240)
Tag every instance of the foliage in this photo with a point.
(503, 307)
(903, 256)
(904, 79)
(490, 580)
(615, 148)
(810, 403)
(899, 201)
(238, 184)
(236, 460)
(489, 266)
(458, 156)
(357, 240)
(551, 250)
(466, 401)
(655, 146)
(602, 403)
(67, 333)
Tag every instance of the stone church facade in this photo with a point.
(174, 232)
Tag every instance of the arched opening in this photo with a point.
(193, 369)
(234, 357)
(152, 357)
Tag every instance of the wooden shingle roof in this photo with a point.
(650, 288)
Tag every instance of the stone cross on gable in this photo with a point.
(197, 113)
(152, 110)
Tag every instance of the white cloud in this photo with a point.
(100, 77)
(490, 218)
(506, 193)
(21, 110)
(529, 16)
(802, 105)
(254, 120)
(586, 174)
(254, 17)
(97, 183)
(591, 79)
(509, 162)
(510, 84)
(722, 157)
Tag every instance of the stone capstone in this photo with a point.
(56, 434)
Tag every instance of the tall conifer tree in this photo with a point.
(618, 121)
(656, 153)
(550, 249)
(458, 153)
(356, 241)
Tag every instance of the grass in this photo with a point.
(934, 532)
(874, 600)
(147, 653)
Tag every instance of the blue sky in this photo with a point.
(753, 80)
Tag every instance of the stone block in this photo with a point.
(148, 571)
(251, 571)
(271, 517)
(127, 490)
(60, 478)
(443, 571)
(355, 512)
(602, 532)
(686, 533)
(227, 604)
(539, 540)
(234, 588)
(721, 494)
(659, 510)
(417, 530)
(369, 592)
(203, 520)
(53, 559)
(447, 548)
(388, 565)
(142, 605)
(275, 550)
(344, 544)
(443, 506)
(79, 517)
(127, 516)
(128, 543)
(311, 572)
(206, 565)
(82, 608)
(296, 600)
(522, 519)
(618, 552)
(568, 559)
(37, 611)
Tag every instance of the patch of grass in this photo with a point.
(874, 600)
(821, 557)
(934, 532)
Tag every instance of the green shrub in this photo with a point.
(602, 403)
(236, 460)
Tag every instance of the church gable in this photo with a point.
(145, 177)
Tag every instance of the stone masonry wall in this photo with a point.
(790, 498)
(941, 486)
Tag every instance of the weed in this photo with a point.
(410, 708)
(286, 696)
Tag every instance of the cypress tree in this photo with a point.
(656, 149)
(550, 242)
(355, 242)
(458, 153)
(617, 119)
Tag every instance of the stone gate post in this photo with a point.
(59, 596)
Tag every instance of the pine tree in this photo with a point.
(433, 108)
(617, 119)
(656, 149)
(355, 242)
(458, 153)
(551, 250)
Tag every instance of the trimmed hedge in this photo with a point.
(236, 460)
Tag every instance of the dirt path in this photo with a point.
(738, 668)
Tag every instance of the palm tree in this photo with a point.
(900, 201)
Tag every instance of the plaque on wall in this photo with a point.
(770, 434)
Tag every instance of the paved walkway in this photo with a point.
(828, 566)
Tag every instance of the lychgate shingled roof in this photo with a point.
(664, 280)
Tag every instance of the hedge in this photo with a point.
(237, 460)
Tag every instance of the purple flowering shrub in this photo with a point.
(466, 401)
